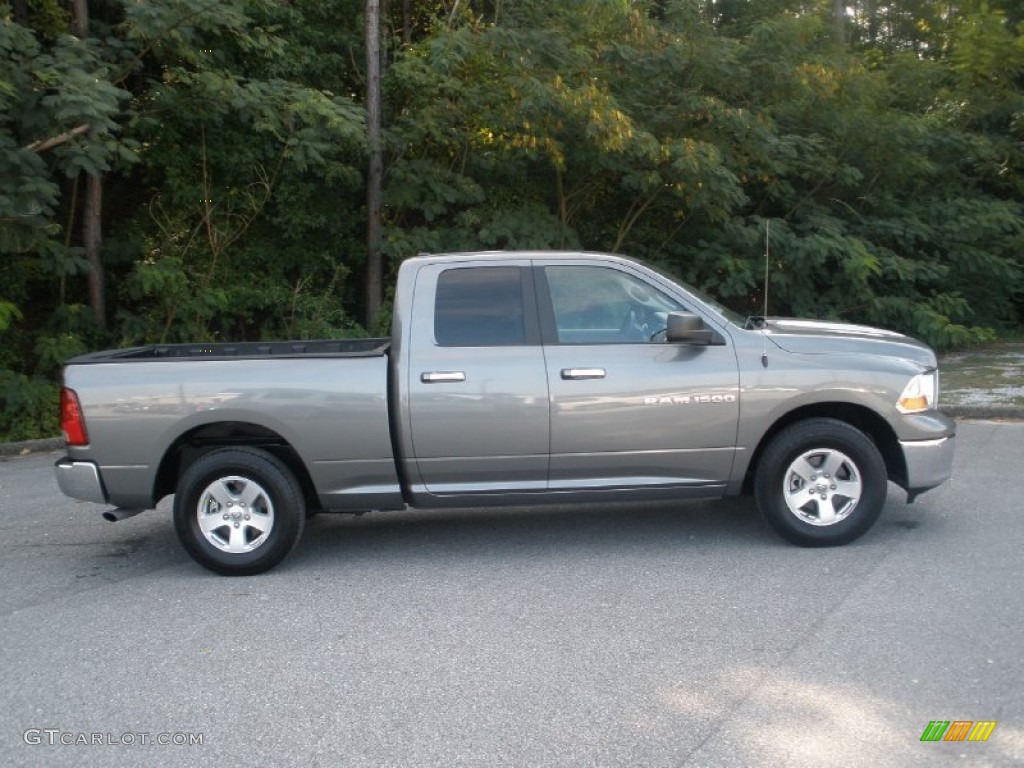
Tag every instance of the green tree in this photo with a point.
(231, 139)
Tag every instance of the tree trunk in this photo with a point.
(92, 239)
(839, 21)
(374, 179)
(20, 10)
(872, 22)
(92, 213)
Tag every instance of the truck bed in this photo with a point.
(249, 349)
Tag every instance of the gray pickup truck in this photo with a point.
(510, 378)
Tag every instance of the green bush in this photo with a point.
(30, 407)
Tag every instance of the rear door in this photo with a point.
(630, 412)
(477, 386)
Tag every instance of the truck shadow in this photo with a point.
(526, 532)
(607, 530)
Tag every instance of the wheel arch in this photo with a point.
(860, 417)
(200, 440)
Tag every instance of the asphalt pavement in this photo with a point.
(642, 635)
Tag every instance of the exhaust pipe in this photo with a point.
(121, 513)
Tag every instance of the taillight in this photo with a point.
(71, 420)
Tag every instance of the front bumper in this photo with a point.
(929, 463)
(80, 480)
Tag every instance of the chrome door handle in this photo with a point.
(582, 373)
(440, 377)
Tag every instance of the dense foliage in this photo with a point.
(883, 151)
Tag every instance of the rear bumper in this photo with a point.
(929, 463)
(80, 480)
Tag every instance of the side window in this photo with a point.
(479, 307)
(601, 305)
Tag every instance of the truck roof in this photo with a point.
(524, 254)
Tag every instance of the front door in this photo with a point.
(630, 412)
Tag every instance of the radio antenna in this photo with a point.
(764, 316)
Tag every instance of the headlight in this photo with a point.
(920, 394)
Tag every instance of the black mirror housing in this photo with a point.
(687, 328)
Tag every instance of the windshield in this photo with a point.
(733, 317)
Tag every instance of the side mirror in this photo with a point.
(687, 328)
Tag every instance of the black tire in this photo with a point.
(249, 504)
(807, 478)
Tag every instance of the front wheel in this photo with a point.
(238, 511)
(821, 482)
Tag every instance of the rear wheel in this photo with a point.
(821, 482)
(238, 511)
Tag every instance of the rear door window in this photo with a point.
(479, 307)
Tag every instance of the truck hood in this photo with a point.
(820, 337)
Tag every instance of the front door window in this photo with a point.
(600, 305)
